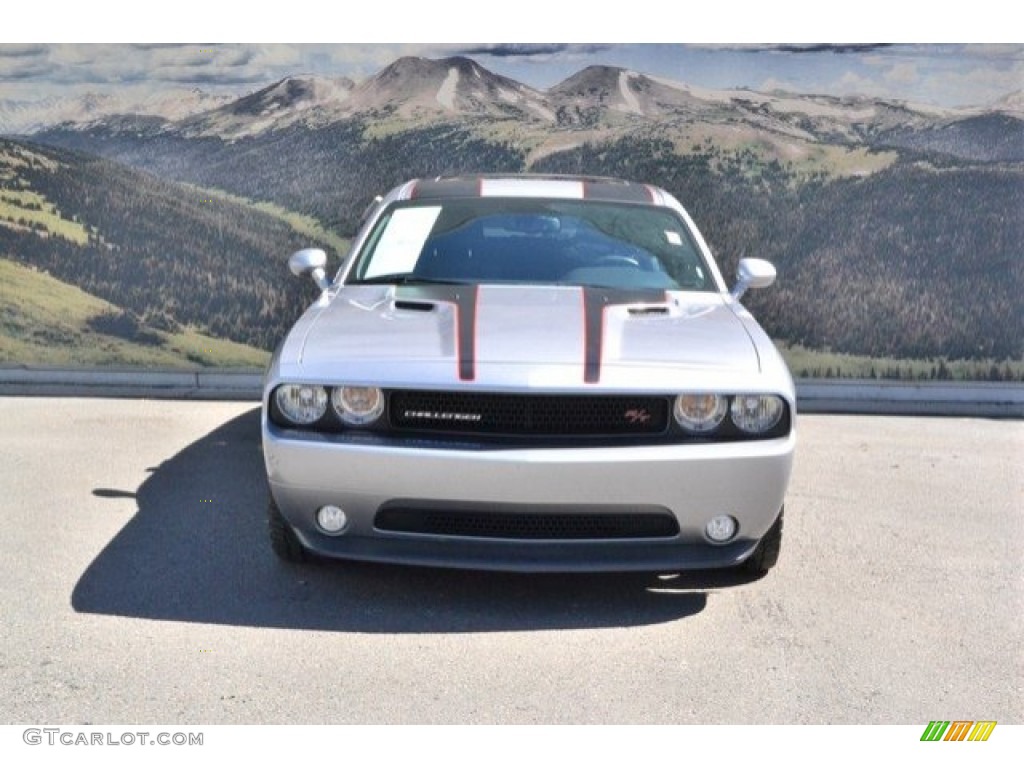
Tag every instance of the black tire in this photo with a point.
(283, 540)
(767, 553)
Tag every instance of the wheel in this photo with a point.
(767, 553)
(283, 540)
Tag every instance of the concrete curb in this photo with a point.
(930, 398)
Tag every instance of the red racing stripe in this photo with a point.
(463, 299)
(595, 302)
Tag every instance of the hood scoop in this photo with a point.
(649, 310)
(414, 306)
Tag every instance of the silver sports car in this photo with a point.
(529, 373)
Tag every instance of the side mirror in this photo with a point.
(312, 262)
(752, 273)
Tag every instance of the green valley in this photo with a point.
(46, 322)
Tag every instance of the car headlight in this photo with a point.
(700, 413)
(357, 406)
(301, 403)
(755, 414)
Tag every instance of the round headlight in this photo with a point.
(700, 413)
(357, 406)
(301, 403)
(756, 413)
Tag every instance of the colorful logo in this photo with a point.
(958, 730)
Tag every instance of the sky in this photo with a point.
(921, 71)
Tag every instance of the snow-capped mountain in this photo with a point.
(414, 86)
(611, 93)
(291, 100)
(613, 90)
(410, 88)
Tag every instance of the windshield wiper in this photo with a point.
(407, 278)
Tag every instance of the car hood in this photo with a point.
(501, 335)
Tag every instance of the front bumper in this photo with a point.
(691, 482)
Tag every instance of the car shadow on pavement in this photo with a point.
(197, 550)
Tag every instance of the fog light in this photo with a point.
(331, 520)
(720, 529)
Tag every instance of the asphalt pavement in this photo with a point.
(137, 586)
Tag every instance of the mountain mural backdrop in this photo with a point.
(897, 229)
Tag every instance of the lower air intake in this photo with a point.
(514, 525)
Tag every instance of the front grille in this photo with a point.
(512, 525)
(545, 415)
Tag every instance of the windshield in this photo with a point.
(549, 242)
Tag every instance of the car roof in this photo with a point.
(533, 185)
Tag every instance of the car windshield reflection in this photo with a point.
(556, 242)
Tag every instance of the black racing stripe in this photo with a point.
(595, 301)
(435, 188)
(464, 299)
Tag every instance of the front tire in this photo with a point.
(766, 555)
(283, 541)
